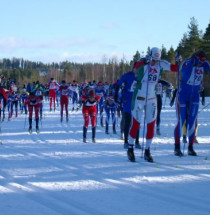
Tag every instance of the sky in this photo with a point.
(94, 31)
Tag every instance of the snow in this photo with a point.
(54, 172)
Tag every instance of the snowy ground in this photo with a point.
(54, 172)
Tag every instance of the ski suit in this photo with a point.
(110, 109)
(89, 110)
(159, 93)
(52, 94)
(101, 93)
(64, 99)
(144, 97)
(74, 89)
(33, 102)
(187, 100)
(3, 101)
(127, 81)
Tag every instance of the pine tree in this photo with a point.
(205, 46)
(163, 53)
(190, 42)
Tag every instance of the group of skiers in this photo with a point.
(140, 99)
(136, 95)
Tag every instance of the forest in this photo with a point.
(24, 71)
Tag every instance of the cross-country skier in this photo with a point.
(3, 102)
(110, 109)
(75, 94)
(64, 99)
(144, 98)
(127, 80)
(33, 102)
(101, 93)
(89, 110)
(188, 98)
(159, 93)
(52, 92)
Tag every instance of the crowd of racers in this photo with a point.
(15, 100)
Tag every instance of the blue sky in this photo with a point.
(94, 30)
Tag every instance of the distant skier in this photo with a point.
(159, 93)
(3, 102)
(110, 109)
(89, 110)
(33, 102)
(64, 99)
(52, 92)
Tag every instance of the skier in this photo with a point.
(38, 90)
(159, 94)
(52, 88)
(101, 93)
(64, 99)
(23, 97)
(144, 98)
(89, 110)
(127, 80)
(75, 93)
(3, 102)
(33, 102)
(110, 109)
(13, 99)
(188, 98)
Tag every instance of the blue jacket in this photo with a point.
(191, 80)
(127, 79)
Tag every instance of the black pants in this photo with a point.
(159, 108)
(125, 126)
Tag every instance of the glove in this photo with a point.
(178, 58)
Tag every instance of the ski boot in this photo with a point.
(61, 119)
(30, 130)
(67, 118)
(37, 129)
(84, 134)
(114, 131)
(148, 156)
(191, 151)
(107, 129)
(130, 154)
(94, 134)
(177, 151)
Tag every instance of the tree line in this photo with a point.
(25, 71)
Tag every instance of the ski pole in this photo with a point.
(145, 113)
